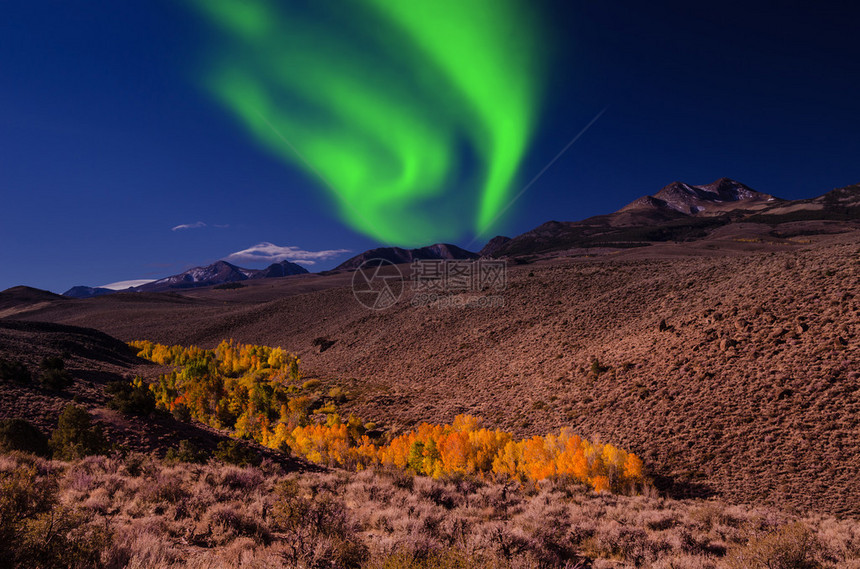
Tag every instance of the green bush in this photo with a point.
(597, 369)
(53, 373)
(181, 412)
(234, 452)
(185, 452)
(14, 371)
(133, 398)
(36, 531)
(18, 434)
(76, 436)
(355, 427)
(337, 394)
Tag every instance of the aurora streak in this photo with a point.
(415, 114)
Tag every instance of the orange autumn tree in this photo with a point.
(466, 448)
(254, 391)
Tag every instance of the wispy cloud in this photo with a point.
(122, 285)
(196, 225)
(271, 253)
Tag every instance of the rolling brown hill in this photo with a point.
(729, 363)
(93, 359)
(18, 298)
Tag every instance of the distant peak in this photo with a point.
(690, 200)
(87, 291)
(223, 263)
(29, 291)
(727, 185)
(398, 255)
(493, 245)
(725, 180)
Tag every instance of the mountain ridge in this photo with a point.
(219, 272)
(399, 255)
(83, 291)
(681, 212)
(692, 200)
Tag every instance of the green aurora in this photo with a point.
(415, 115)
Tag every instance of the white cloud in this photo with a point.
(122, 285)
(196, 225)
(271, 253)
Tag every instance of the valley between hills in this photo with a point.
(722, 346)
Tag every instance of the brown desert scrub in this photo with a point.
(792, 546)
(224, 522)
(36, 530)
(367, 520)
(237, 478)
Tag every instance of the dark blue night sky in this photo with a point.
(108, 141)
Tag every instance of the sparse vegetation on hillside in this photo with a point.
(14, 371)
(729, 398)
(53, 373)
(36, 528)
(255, 392)
(131, 398)
(186, 451)
(76, 436)
(20, 435)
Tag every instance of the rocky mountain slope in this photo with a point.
(678, 212)
(682, 212)
(710, 199)
(220, 272)
(217, 273)
(493, 245)
(276, 270)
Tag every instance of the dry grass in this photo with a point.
(212, 515)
